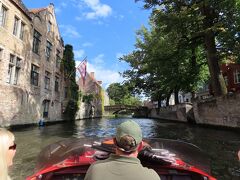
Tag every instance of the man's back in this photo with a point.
(120, 168)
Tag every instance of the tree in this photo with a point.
(120, 94)
(116, 92)
(213, 24)
(162, 64)
(68, 65)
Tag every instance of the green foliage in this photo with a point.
(161, 66)
(71, 109)
(130, 100)
(121, 94)
(183, 46)
(116, 92)
(111, 102)
(88, 98)
(68, 65)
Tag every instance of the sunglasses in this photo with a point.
(13, 147)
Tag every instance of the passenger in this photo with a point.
(7, 152)
(124, 164)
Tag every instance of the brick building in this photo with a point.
(231, 74)
(31, 82)
(94, 87)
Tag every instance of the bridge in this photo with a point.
(115, 109)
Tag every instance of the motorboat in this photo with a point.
(172, 159)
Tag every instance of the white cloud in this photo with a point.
(87, 44)
(63, 4)
(98, 9)
(119, 17)
(69, 31)
(106, 75)
(79, 53)
(99, 59)
(59, 8)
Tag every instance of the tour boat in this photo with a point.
(171, 159)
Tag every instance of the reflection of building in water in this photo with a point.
(31, 82)
(91, 87)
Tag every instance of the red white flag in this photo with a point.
(82, 69)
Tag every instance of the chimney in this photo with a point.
(92, 75)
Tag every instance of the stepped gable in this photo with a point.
(22, 7)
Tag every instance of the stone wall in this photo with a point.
(21, 102)
(220, 111)
(87, 111)
(176, 112)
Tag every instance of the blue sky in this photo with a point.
(102, 30)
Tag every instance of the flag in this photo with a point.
(82, 69)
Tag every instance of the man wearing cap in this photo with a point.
(124, 165)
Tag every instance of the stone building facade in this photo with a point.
(31, 81)
(100, 98)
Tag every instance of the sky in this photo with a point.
(101, 30)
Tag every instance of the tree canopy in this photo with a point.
(120, 94)
(212, 24)
(184, 46)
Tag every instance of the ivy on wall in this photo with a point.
(68, 66)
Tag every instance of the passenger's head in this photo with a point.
(128, 137)
(7, 152)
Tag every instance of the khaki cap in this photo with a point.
(129, 128)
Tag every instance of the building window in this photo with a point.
(12, 57)
(49, 26)
(45, 108)
(13, 69)
(58, 59)
(56, 84)
(36, 41)
(47, 80)
(1, 54)
(3, 16)
(16, 25)
(226, 80)
(22, 28)
(48, 50)
(17, 70)
(10, 73)
(34, 75)
(237, 76)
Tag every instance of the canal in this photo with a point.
(220, 145)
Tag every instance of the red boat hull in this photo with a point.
(74, 162)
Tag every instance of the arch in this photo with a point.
(37, 19)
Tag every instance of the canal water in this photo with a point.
(220, 145)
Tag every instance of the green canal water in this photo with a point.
(220, 145)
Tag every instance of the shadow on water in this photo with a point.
(220, 145)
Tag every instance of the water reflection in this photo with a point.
(220, 145)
